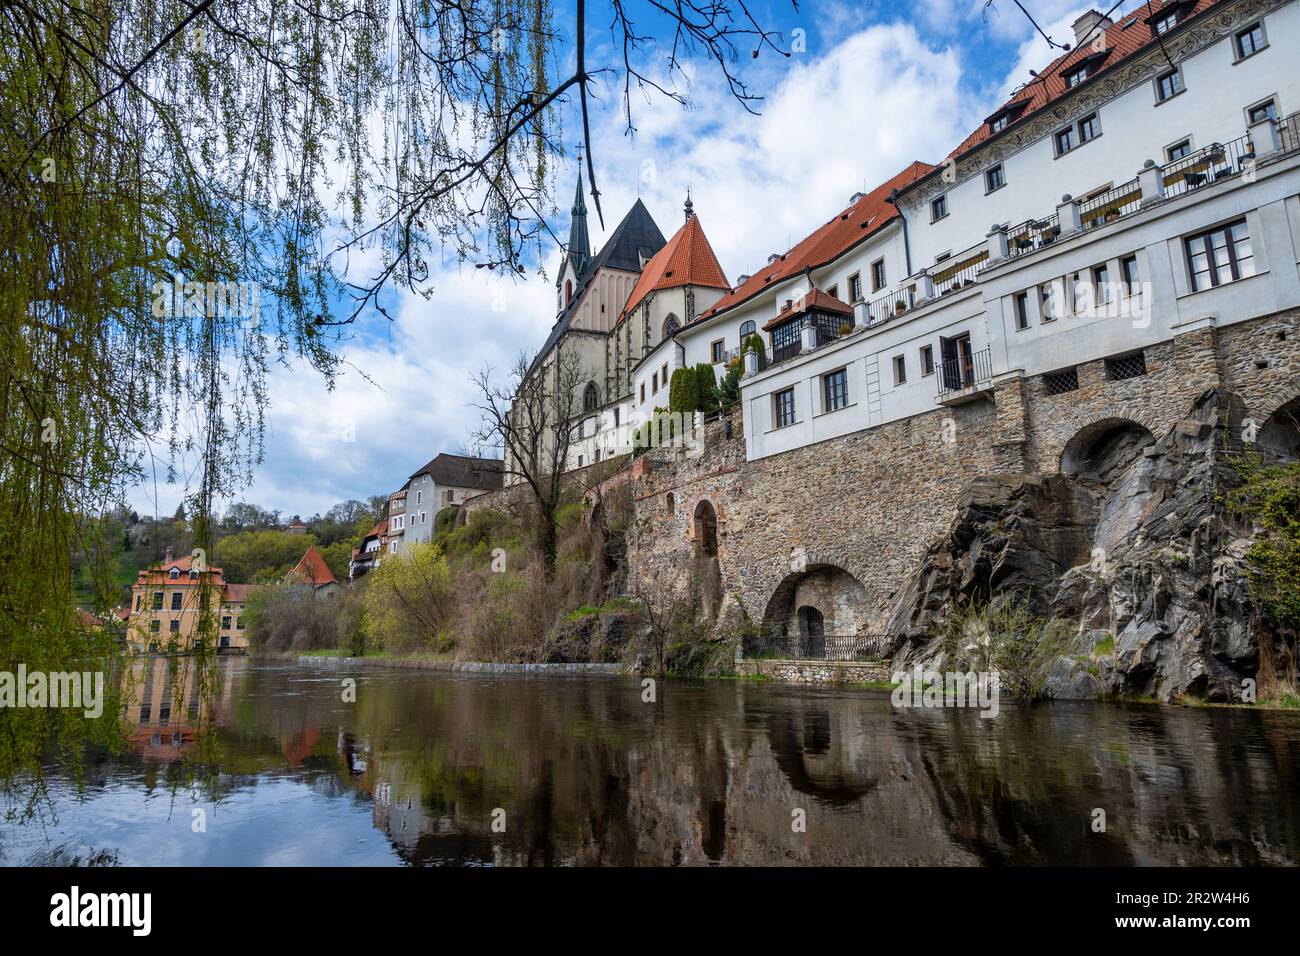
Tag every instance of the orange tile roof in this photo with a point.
(1128, 36)
(237, 593)
(860, 220)
(686, 259)
(814, 300)
(157, 573)
(312, 569)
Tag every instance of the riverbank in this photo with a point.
(439, 664)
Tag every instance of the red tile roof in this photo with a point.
(158, 573)
(1128, 36)
(312, 569)
(860, 220)
(686, 259)
(816, 300)
(237, 593)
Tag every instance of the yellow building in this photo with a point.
(165, 607)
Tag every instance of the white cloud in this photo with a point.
(835, 121)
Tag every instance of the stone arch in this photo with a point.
(1102, 448)
(1279, 435)
(671, 325)
(838, 598)
(704, 524)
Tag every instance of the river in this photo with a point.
(427, 768)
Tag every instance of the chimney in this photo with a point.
(168, 556)
(855, 197)
(1090, 26)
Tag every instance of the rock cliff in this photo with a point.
(1129, 546)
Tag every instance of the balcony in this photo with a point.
(965, 378)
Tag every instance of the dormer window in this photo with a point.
(1165, 22)
(1076, 77)
(999, 123)
(174, 573)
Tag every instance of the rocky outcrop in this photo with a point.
(1132, 551)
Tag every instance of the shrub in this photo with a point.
(1004, 639)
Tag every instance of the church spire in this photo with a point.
(579, 243)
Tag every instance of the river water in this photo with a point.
(430, 768)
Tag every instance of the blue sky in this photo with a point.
(875, 86)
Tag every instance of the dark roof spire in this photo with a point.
(690, 206)
(579, 243)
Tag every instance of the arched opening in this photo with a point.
(706, 528)
(568, 291)
(590, 397)
(811, 621)
(1280, 434)
(1104, 449)
(747, 329)
(822, 599)
(670, 502)
(671, 325)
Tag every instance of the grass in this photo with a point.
(1105, 647)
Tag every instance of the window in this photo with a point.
(424, 514)
(643, 391)
(1262, 111)
(1126, 366)
(176, 600)
(1177, 151)
(1250, 41)
(900, 369)
(1065, 141)
(938, 208)
(590, 400)
(155, 625)
(1220, 255)
(1050, 303)
(157, 600)
(999, 123)
(835, 386)
(1075, 77)
(784, 401)
(927, 360)
(654, 382)
(137, 602)
(833, 292)
(1022, 310)
(1055, 383)
(1168, 84)
(419, 497)
(239, 624)
(174, 626)
(225, 623)
(1101, 283)
(715, 351)
(1165, 23)
(855, 287)
(174, 573)
(995, 178)
(1129, 272)
(1089, 128)
(747, 328)
(878, 275)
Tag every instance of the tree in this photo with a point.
(533, 420)
(755, 344)
(729, 390)
(706, 387)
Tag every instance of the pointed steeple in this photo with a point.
(579, 243)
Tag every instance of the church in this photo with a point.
(616, 307)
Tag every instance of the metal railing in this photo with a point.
(1110, 205)
(959, 271)
(817, 647)
(1207, 165)
(965, 371)
(887, 306)
(1288, 132)
(1032, 234)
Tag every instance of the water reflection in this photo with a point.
(580, 771)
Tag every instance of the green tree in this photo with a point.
(754, 343)
(706, 388)
(1269, 498)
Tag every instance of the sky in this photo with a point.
(868, 88)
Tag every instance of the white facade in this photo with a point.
(893, 363)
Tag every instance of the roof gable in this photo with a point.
(312, 569)
(686, 259)
(462, 471)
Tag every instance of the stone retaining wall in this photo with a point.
(817, 672)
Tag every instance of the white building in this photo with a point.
(1168, 133)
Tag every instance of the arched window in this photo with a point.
(706, 528)
(568, 291)
(671, 325)
(747, 329)
(590, 397)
